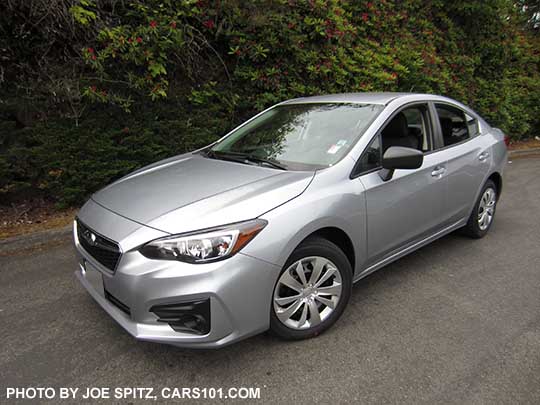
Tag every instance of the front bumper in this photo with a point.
(239, 290)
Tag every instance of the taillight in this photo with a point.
(507, 140)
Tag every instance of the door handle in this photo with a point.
(438, 171)
(483, 156)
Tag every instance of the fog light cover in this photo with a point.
(187, 317)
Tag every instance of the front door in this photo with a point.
(409, 206)
(405, 208)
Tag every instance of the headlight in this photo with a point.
(206, 245)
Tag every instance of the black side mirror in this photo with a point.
(399, 157)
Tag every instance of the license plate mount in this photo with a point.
(94, 277)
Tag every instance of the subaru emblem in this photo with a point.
(90, 237)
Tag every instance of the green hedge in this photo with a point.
(56, 159)
(147, 79)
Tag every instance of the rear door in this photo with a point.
(468, 158)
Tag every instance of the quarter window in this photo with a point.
(472, 125)
(371, 158)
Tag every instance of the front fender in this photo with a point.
(340, 206)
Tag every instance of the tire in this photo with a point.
(486, 204)
(316, 256)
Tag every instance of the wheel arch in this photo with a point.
(497, 179)
(338, 237)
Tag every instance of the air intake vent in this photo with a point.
(119, 304)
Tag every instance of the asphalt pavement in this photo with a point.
(456, 322)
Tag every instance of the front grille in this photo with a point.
(103, 250)
(119, 304)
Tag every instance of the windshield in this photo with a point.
(300, 136)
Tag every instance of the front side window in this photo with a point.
(418, 126)
(454, 124)
(301, 136)
(408, 128)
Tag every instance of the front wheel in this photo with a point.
(312, 290)
(483, 212)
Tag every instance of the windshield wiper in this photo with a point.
(269, 162)
(243, 158)
(210, 153)
(225, 156)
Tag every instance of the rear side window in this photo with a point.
(456, 126)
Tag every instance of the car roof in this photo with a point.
(382, 98)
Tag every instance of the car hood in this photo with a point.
(192, 192)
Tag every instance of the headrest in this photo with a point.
(446, 126)
(397, 127)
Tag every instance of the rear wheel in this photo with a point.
(483, 213)
(312, 290)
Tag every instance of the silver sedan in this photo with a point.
(269, 227)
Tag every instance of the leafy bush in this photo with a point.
(127, 83)
(67, 162)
